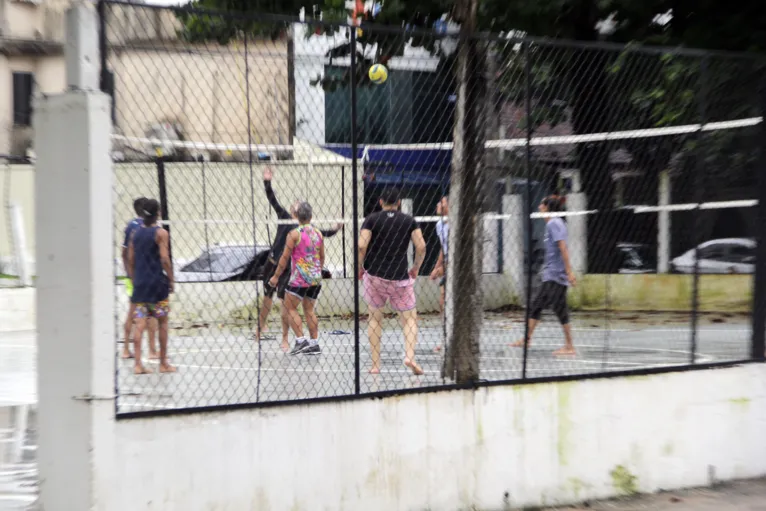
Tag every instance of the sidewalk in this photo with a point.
(741, 495)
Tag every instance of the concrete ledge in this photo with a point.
(504, 447)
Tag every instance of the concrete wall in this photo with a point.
(495, 448)
(228, 193)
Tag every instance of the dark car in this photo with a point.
(229, 263)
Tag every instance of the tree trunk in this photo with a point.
(465, 300)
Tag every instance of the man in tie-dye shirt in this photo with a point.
(305, 250)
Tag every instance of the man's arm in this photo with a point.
(567, 265)
(364, 242)
(321, 255)
(438, 270)
(130, 259)
(281, 212)
(292, 239)
(420, 251)
(163, 240)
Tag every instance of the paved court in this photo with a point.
(223, 365)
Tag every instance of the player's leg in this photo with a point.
(541, 301)
(142, 314)
(312, 322)
(268, 299)
(162, 314)
(153, 326)
(128, 328)
(285, 319)
(442, 287)
(376, 298)
(263, 316)
(374, 333)
(291, 302)
(561, 309)
(403, 301)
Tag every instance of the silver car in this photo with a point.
(725, 255)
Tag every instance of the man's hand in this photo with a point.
(361, 273)
(267, 174)
(414, 272)
(572, 279)
(273, 281)
(172, 287)
(437, 273)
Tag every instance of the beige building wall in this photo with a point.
(200, 88)
(204, 92)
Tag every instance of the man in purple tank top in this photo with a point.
(305, 251)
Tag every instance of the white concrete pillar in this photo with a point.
(513, 244)
(75, 287)
(578, 232)
(408, 208)
(19, 244)
(663, 224)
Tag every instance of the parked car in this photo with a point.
(229, 263)
(726, 255)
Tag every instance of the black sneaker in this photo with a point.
(313, 350)
(300, 347)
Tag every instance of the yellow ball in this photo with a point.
(378, 74)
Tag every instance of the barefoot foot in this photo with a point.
(375, 370)
(416, 369)
(127, 355)
(167, 368)
(565, 351)
(153, 355)
(142, 370)
(285, 346)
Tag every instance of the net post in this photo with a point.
(528, 209)
(355, 207)
(699, 167)
(758, 341)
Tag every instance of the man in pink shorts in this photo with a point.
(383, 245)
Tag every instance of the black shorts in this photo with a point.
(551, 295)
(268, 271)
(305, 292)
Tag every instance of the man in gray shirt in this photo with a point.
(557, 276)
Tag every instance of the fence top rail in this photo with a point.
(486, 36)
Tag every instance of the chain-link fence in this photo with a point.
(308, 228)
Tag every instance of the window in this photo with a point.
(741, 254)
(712, 252)
(22, 99)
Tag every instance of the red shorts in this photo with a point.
(401, 293)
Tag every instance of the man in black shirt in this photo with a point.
(383, 245)
(277, 247)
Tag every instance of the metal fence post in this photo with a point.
(758, 344)
(698, 198)
(528, 209)
(355, 208)
(164, 212)
(102, 47)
